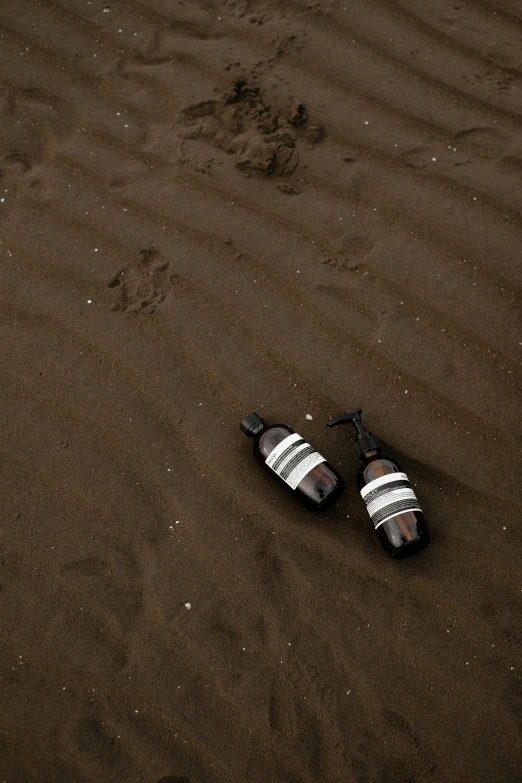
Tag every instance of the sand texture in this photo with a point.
(287, 206)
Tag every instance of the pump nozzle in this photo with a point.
(348, 418)
(364, 440)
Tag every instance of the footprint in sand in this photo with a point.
(142, 286)
(350, 253)
(262, 138)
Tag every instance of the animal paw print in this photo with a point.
(144, 285)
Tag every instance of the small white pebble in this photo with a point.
(308, 417)
(188, 605)
(2, 200)
(89, 301)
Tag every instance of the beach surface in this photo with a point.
(293, 207)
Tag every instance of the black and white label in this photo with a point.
(388, 496)
(293, 458)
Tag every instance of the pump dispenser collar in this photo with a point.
(364, 440)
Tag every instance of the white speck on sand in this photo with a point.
(308, 417)
(188, 605)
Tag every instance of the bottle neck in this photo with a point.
(256, 429)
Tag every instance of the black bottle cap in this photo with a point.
(251, 424)
(364, 440)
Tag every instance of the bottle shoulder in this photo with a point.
(270, 437)
(375, 468)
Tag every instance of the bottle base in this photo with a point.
(410, 548)
(330, 500)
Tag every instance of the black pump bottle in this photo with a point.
(294, 463)
(387, 493)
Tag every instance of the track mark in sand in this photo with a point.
(235, 640)
(484, 141)
(144, 285)
(402, 725)
(349, 255)
(470, 146)
(300, 715)
(281, 711)
(284, 46)
(256, 12)
(89, 639)
(497, 76)
(109, 585)
(262, 139)
(93, 738)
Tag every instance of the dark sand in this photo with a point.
(180, 245)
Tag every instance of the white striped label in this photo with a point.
(292, 459)
(388, 496)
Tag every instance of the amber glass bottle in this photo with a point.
(387, 493)
(294, 463)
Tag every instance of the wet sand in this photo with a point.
(209, 208)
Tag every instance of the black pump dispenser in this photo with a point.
(364, 440)
(389, 497)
